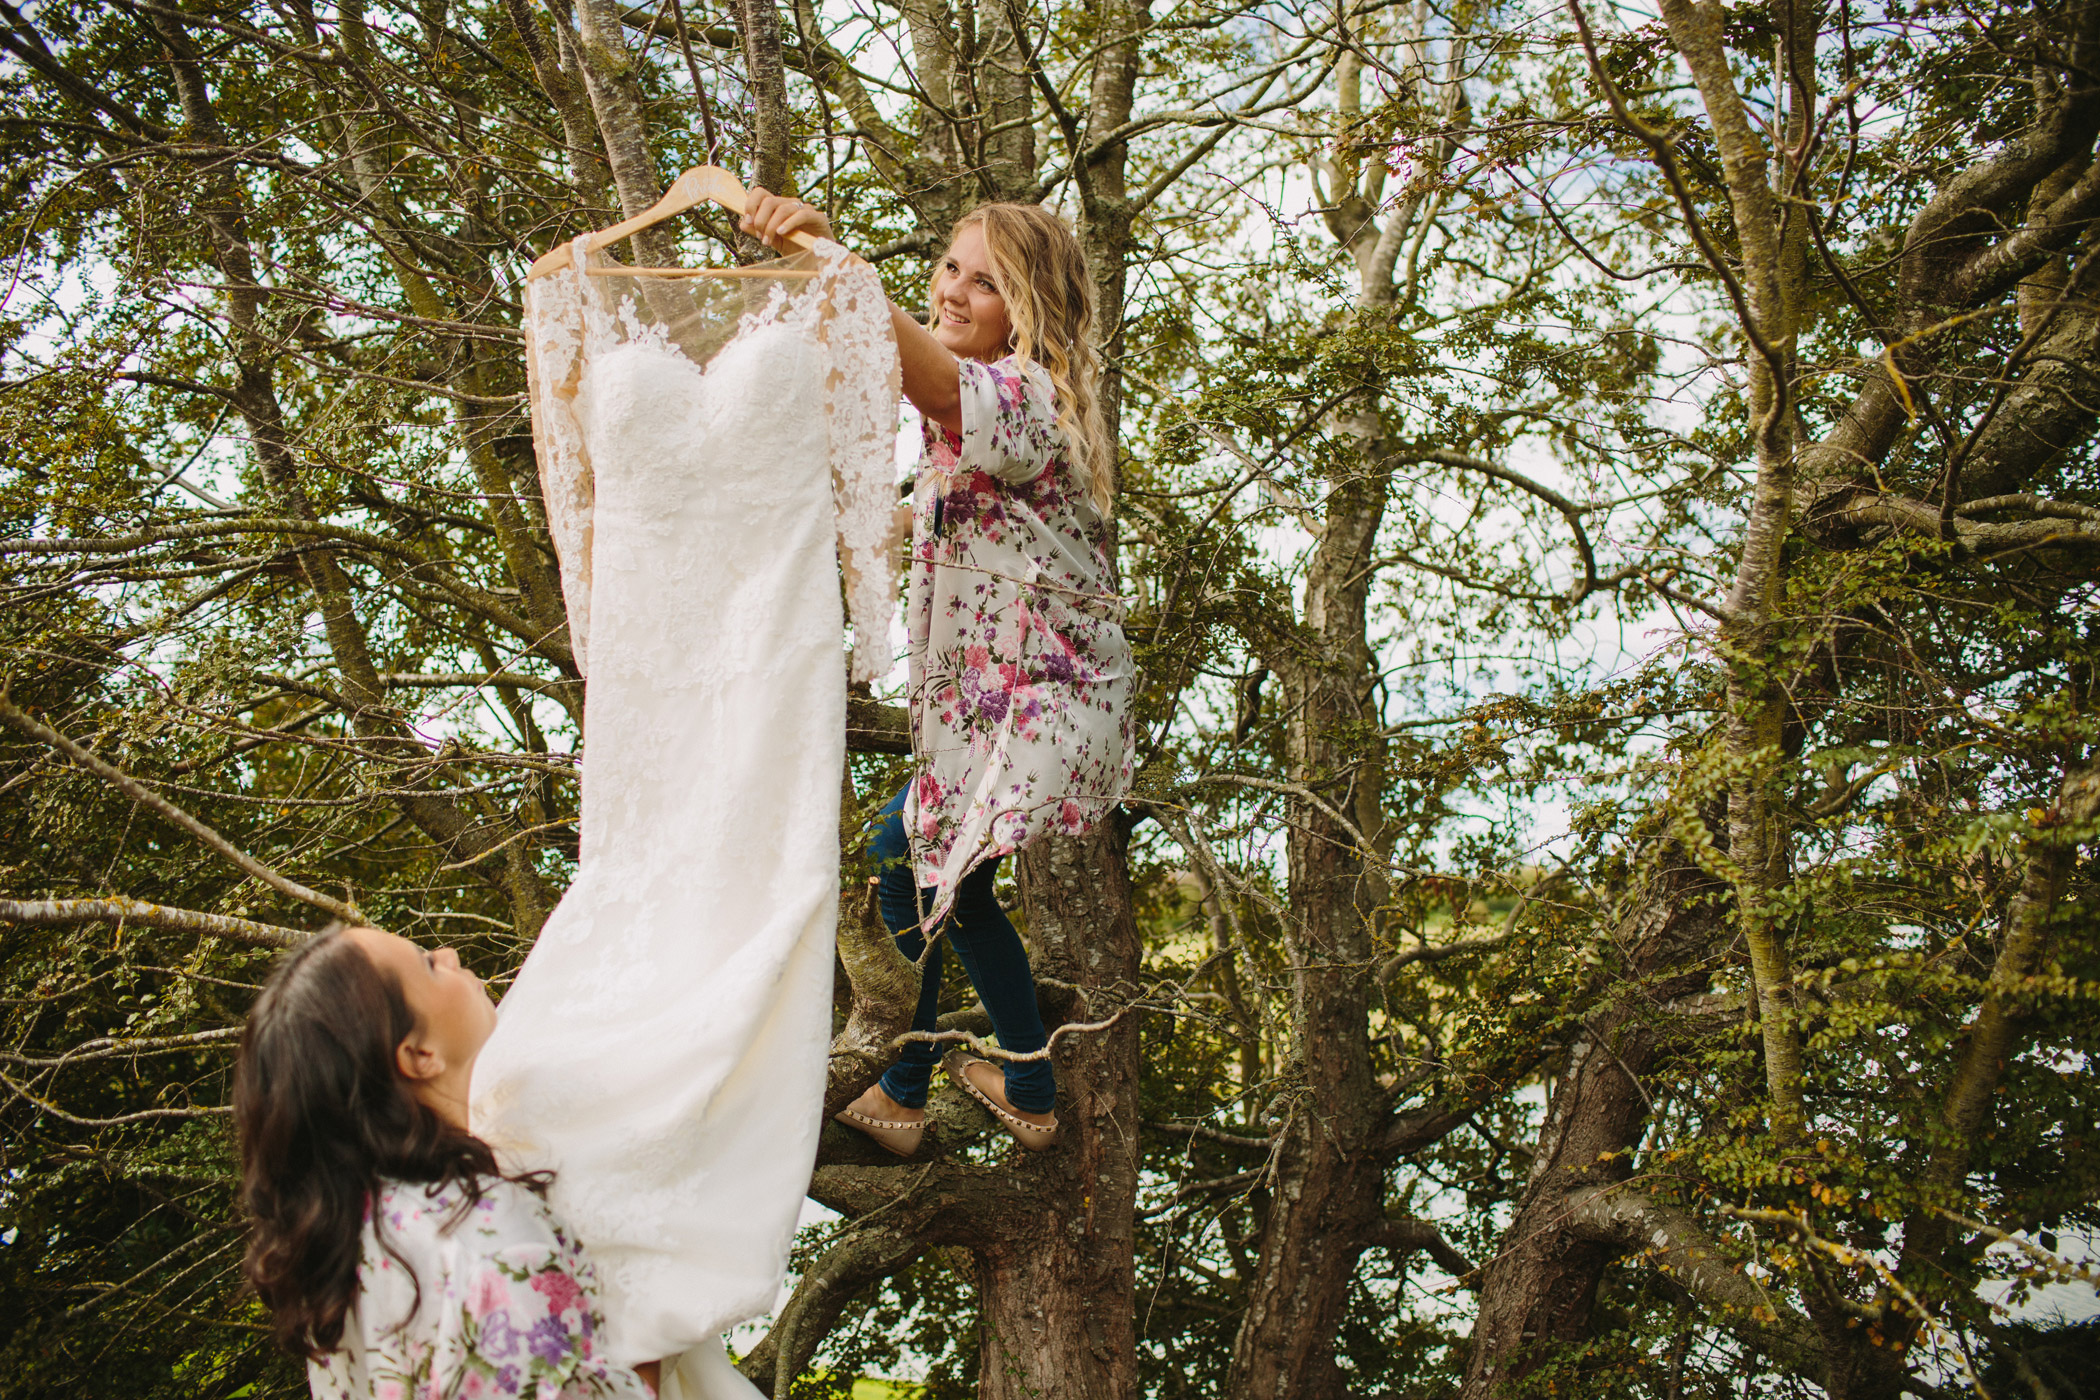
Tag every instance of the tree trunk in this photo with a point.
(758, 21)
(1540, 1286)
(1004, 102)
(1057, 1284)
(1772, 273)
(1340, 1139)
(616, 100)
(1330, 1177)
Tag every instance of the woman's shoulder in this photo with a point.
(1016, 378)
(493, 1209)
(1009, 420)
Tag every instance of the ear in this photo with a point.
(417, 1062)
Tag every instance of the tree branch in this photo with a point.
(1571, 512)
(1405, 1235)
(120, 909)
(885, 993)
(22, 723)
(1677, 1244)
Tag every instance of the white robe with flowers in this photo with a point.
(1021, 680)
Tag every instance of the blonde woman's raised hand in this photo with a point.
(772, 217)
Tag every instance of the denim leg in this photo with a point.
(992, 954)
(906, 1081)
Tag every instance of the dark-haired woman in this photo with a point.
(394, 1253)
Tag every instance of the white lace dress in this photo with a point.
(663, 1047)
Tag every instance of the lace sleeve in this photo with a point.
(554, 329)
(861, 410)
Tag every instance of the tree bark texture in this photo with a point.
(1339, 1138)
(1772, 266)
(1537, 1294)
(1057, 1282)
(1330, 1177)
(616, 100)
(758, 23)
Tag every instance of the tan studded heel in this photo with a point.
(962, 1067)
(893, 1135)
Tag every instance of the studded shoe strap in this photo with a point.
(859, 1117)
(989, 1102)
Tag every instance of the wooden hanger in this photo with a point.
(709, 182)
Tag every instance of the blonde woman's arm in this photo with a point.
(931, 373)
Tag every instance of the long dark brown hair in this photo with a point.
(324, 1117)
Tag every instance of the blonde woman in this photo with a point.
(1020, 677)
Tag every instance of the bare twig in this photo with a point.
(1014, 1057)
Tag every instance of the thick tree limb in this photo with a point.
(19, 38)
(1405, 1236)
(758, 25)
(616, 101)
(1676, 1243)
(1941, 244)
(857, 1259)
(587, 168)
(1772, 281)
(1536, 1292)
(1428, 953)
(885, 993)
(873, 727)
(2065, 528)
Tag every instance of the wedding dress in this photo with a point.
(662, 1050)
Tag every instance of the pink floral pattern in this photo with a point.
(1021, 679)
(502, 1303)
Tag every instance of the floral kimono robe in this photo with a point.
(1021, 680)
(502, 1303)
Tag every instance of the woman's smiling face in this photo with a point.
(969, 314)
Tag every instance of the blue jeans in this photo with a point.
(991, 953)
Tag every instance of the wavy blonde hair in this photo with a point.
(1042, 277)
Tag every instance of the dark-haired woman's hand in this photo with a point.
(772, 217)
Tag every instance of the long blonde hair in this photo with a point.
(1042, 277)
